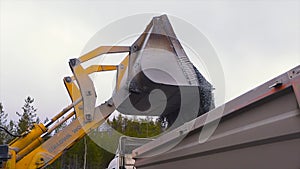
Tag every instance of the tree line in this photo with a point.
(98, 157)
(25, 122)
(75, 157)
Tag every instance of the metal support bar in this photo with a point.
(87, 89)
(103, 50)
(99, 68)
(64, 111)
(95, 68)
(61, 122)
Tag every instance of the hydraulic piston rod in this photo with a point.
(64, 111)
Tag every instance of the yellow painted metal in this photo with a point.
(11, 163)
(122, 68)
(29, 148)
(81, 133)
(29, 161)
(73, 90)
(49, 151)
(31, 154)
(22, 142)
(32, 151)
(74, 94)
(99, 68)
(103, 50)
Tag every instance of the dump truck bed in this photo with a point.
(259, 129)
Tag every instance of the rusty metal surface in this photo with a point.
(260, 129)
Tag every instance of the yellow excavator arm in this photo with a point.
(156, 60)
(31, 150)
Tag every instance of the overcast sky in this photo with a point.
(255, 41)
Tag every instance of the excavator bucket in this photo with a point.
(159, 79)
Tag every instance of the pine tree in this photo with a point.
(3, 123)
(12, 128)
(28, 117)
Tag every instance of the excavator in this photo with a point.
(259, 129)
(156, 78)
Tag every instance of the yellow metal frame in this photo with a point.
(31, 151)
